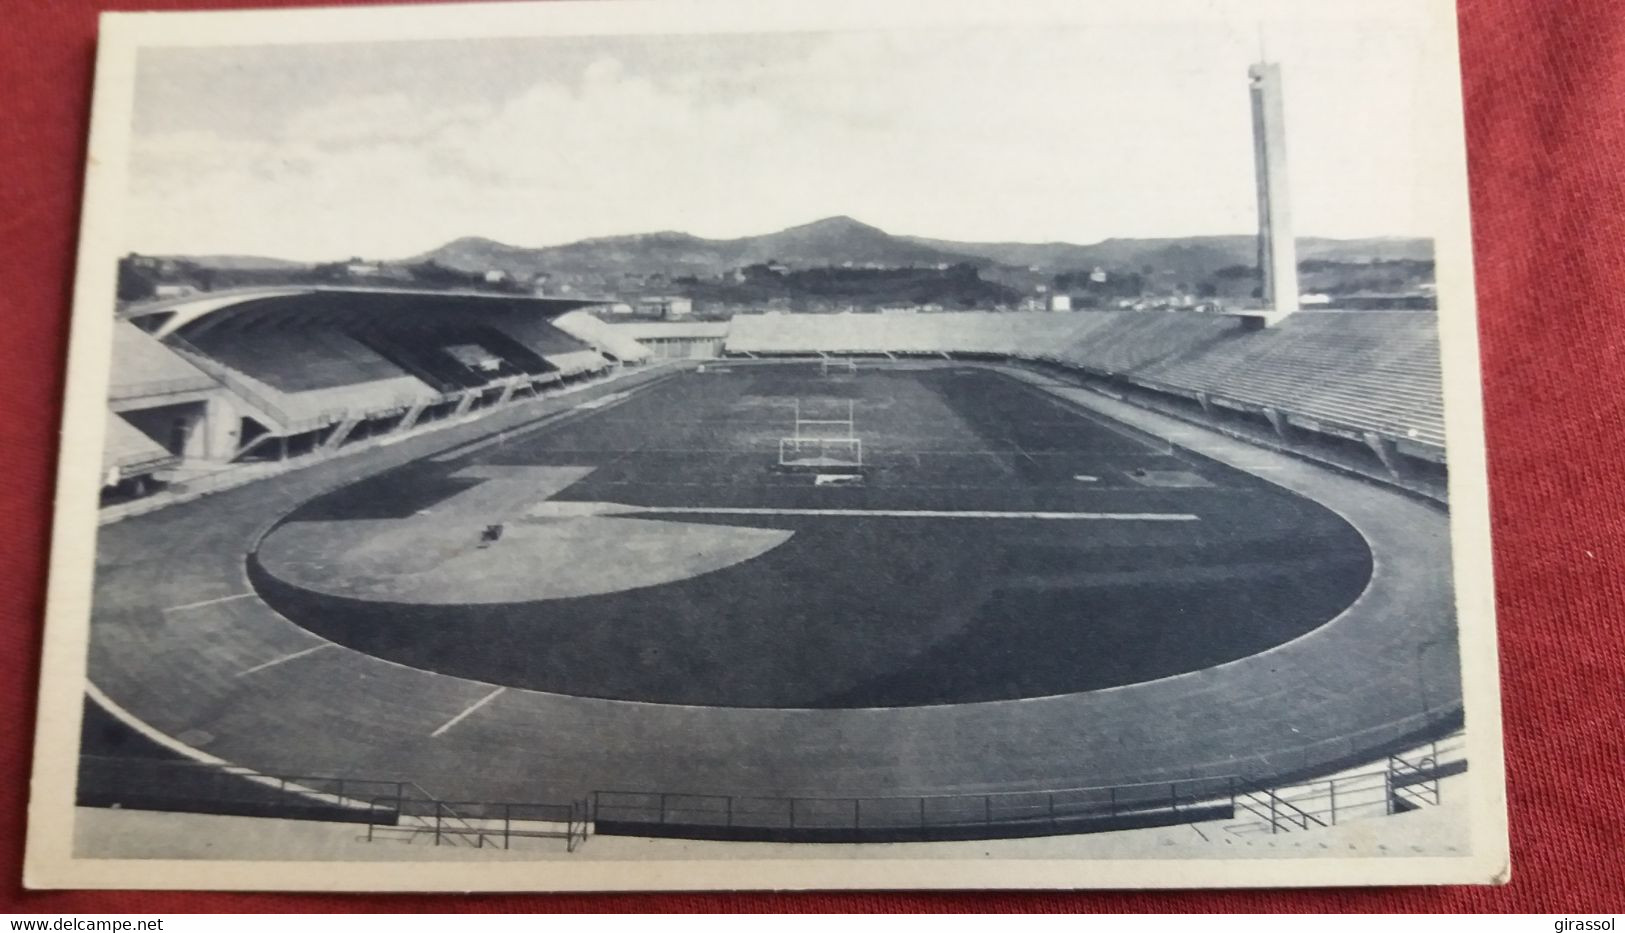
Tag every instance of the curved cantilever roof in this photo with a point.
(252, 308)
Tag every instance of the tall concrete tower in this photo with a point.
(1277, 248)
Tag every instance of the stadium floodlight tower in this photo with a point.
(1277, 248)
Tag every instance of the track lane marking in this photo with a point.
(208, 602)
(943, 513)
(1023, 451)
(998, 461)
(467, 712)
(284, 659)
(555, 508)
(152, 734)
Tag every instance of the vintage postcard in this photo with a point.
(654, 444)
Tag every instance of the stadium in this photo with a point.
(476, 570)
(481, 570)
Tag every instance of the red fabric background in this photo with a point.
(1545, 90)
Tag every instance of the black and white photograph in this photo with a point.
(649, 444)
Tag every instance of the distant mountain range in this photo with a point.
(828, 242)
(834, 242)
(242, 263)
(1200, 254)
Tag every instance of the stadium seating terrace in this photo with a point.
(1371, 372)
(607, 338)
(294, 370)
(315, 365)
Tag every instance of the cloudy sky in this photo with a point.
(388, 149)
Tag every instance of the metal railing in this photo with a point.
(1402, 784)
(404, 811)
(174, 784)
(473, 824)
(892, 817)
(1280, 813)
(1413, 784)
(390, 809)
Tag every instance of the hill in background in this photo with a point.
(829, 242)
(840, 262)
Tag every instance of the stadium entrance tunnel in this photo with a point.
(648, 552)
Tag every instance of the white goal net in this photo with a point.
(822, 438)
(821, 451)
(832, 365)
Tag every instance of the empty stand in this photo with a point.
(1024, 334)
(606, 338)
(143, 368)
(289, 372)
(1349, 373)
(297, 360)
(1369, 370)
(540, 336)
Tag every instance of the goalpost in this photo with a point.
(828, 441)
(837, 364)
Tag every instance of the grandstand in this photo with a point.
(892, 335)
(307, 370)
(294, 371)
(1367, 377)
(677, 340)
(612, 341)
(159, 413)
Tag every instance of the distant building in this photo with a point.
(666, 306)
(495, 276)
(356, 267)
(173, 291)
(1060, 302)
(159, 264)
(1098, 276)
